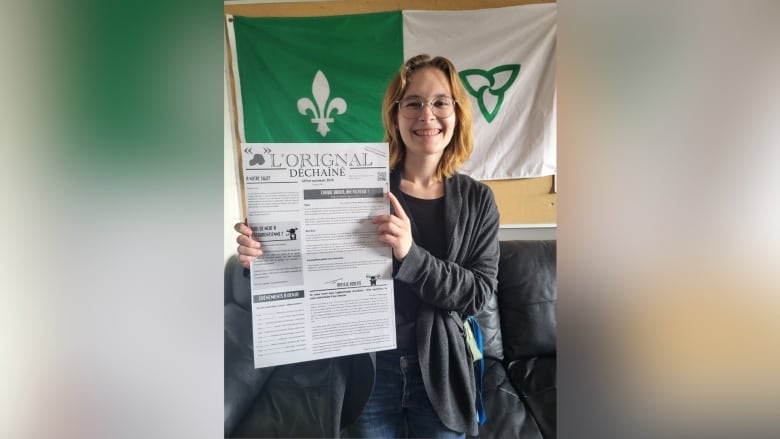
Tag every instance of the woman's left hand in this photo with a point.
(395, 230)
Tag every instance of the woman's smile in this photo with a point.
(427, 132)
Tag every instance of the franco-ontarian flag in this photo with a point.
(322, 79)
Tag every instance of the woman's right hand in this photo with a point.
(248, 248)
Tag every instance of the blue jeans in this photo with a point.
(398, 405)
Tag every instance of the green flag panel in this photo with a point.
(316, 79)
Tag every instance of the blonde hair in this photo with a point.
(462, 143)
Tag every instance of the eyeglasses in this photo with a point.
(412, 107)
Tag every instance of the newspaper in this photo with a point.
(323, 286)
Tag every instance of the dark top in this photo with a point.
(427, 218)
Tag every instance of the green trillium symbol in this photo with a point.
(489, 86)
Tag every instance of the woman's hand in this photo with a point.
(395, 230)
(248, 248)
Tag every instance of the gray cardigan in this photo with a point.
(450, 289)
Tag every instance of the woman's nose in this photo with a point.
(427, 112)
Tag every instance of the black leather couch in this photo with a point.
(519, 340)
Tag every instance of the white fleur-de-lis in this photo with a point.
(321, 114)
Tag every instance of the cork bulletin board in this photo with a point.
(526, 201)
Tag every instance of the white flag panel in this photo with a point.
(506, 57)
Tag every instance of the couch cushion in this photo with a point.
(527, 298)
(304, 399)
(304, 385)
(535, 379)
(507, 416)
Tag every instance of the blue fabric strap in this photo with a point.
(480, 368)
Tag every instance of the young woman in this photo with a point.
(443, 230)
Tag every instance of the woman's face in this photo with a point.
(426, 136)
